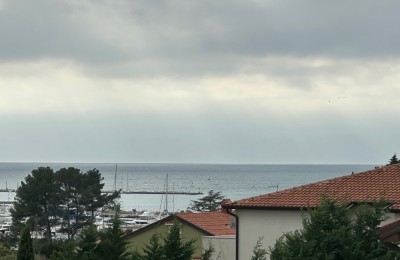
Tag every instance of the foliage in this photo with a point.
(81, 193)
(112, 242)
(89, 240)
(53, 197)
(207, 253)
(210, 202)
(45, 248)
(93, 244)
(332, 232)
(25, 248)
(174, 247)
(394, 159)
(36, 196)
(5, 250)
(154, 250)
(259, 253)
(66, 251)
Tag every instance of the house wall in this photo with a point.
(139, 241)
(269, 224)
(391, 217)
(224, 246)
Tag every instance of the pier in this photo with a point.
(135, 192)
(7, 190)
(158, 192)
(7, 202)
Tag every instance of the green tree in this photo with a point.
(46, 197)
(88, 242)
(81, 193)
(210, 202)
(174, 248)
(334, 231)
(394, 159)
(208, 253)
(112, 242)
(5, 251)
(25, 248)
(92, 197)
(69, 181)
(37, 196)
(259, 253)
(67, 250)
(154, 250)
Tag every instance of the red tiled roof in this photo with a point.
(389, 232)
(382, 182)
(215, 223)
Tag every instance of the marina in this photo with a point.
(144, 186)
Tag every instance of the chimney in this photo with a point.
(225, 202)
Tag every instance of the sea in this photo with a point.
(233, 181)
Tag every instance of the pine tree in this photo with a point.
(394, 159)
(210, 202)
(112, 242)
(174, 247)
(154, 250)
(25, 249)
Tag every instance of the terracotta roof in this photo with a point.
(381, 182)
(389, 232)
(215, 223)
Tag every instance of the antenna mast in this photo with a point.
(166, 194)
(115, 178)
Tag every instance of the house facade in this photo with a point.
(194, 226)
(271, 215)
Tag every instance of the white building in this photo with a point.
(269, 216)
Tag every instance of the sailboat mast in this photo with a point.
(166, 194)
(115, 177)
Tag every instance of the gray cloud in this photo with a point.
(199, 81)
(184, 38)
(42, 29)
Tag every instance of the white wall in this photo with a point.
(224, 246)
(269, 224)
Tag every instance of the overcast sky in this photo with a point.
(227, 81)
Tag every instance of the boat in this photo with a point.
(5, 228)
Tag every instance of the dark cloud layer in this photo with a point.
(179, 37)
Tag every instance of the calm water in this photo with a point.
(234, 181)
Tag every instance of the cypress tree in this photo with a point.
(25, 249)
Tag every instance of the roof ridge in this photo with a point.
(382, 181)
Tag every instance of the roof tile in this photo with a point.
(216, 223)
(381, 182)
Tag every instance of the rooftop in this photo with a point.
(215, 223)
(363, 187)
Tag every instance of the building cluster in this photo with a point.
(235, 230)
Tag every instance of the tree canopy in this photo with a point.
(37, 197)
(52, 197)
(210, 202)
(394, 159)
(334, 231)
(25, 247)
(172, 248)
